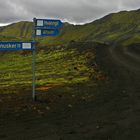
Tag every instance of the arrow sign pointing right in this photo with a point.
(48, 23)
(47, 32)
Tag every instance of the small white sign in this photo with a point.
(39, 22)
(38, 32)
(26, 45)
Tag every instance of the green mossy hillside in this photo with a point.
(122, 27)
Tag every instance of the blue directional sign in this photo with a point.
(48, 23)
(43, 27)
(47, 32)
(47, 27)
(16, 45)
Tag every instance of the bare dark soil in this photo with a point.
(107, 110)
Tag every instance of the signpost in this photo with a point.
(41, 27)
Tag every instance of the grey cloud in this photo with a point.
(131, 3)
(78, 11)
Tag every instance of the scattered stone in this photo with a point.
(47, 108)
(40, 112)
(97, 127)
(9, 97)
(70, 106)
(84, 98)
(17, 114)
(34, 108)
(24, 110)
(81, 124)
(73, 96)
(124, 91)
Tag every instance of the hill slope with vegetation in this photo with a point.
(122, 27)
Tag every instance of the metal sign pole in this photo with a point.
(33, 62)
(42, 27)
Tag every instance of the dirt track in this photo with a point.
(113, 113)
(123, 65)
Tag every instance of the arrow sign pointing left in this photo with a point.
(16, 45)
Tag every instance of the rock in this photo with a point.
(97, 127)
(47, 108)
(70, 106)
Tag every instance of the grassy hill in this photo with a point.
(122, 27)
(18, 30)
(54, 65)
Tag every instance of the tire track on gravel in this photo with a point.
(123, 66)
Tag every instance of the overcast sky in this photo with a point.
(75, 11)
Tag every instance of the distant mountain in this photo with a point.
(122, 27)
(18, 30)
